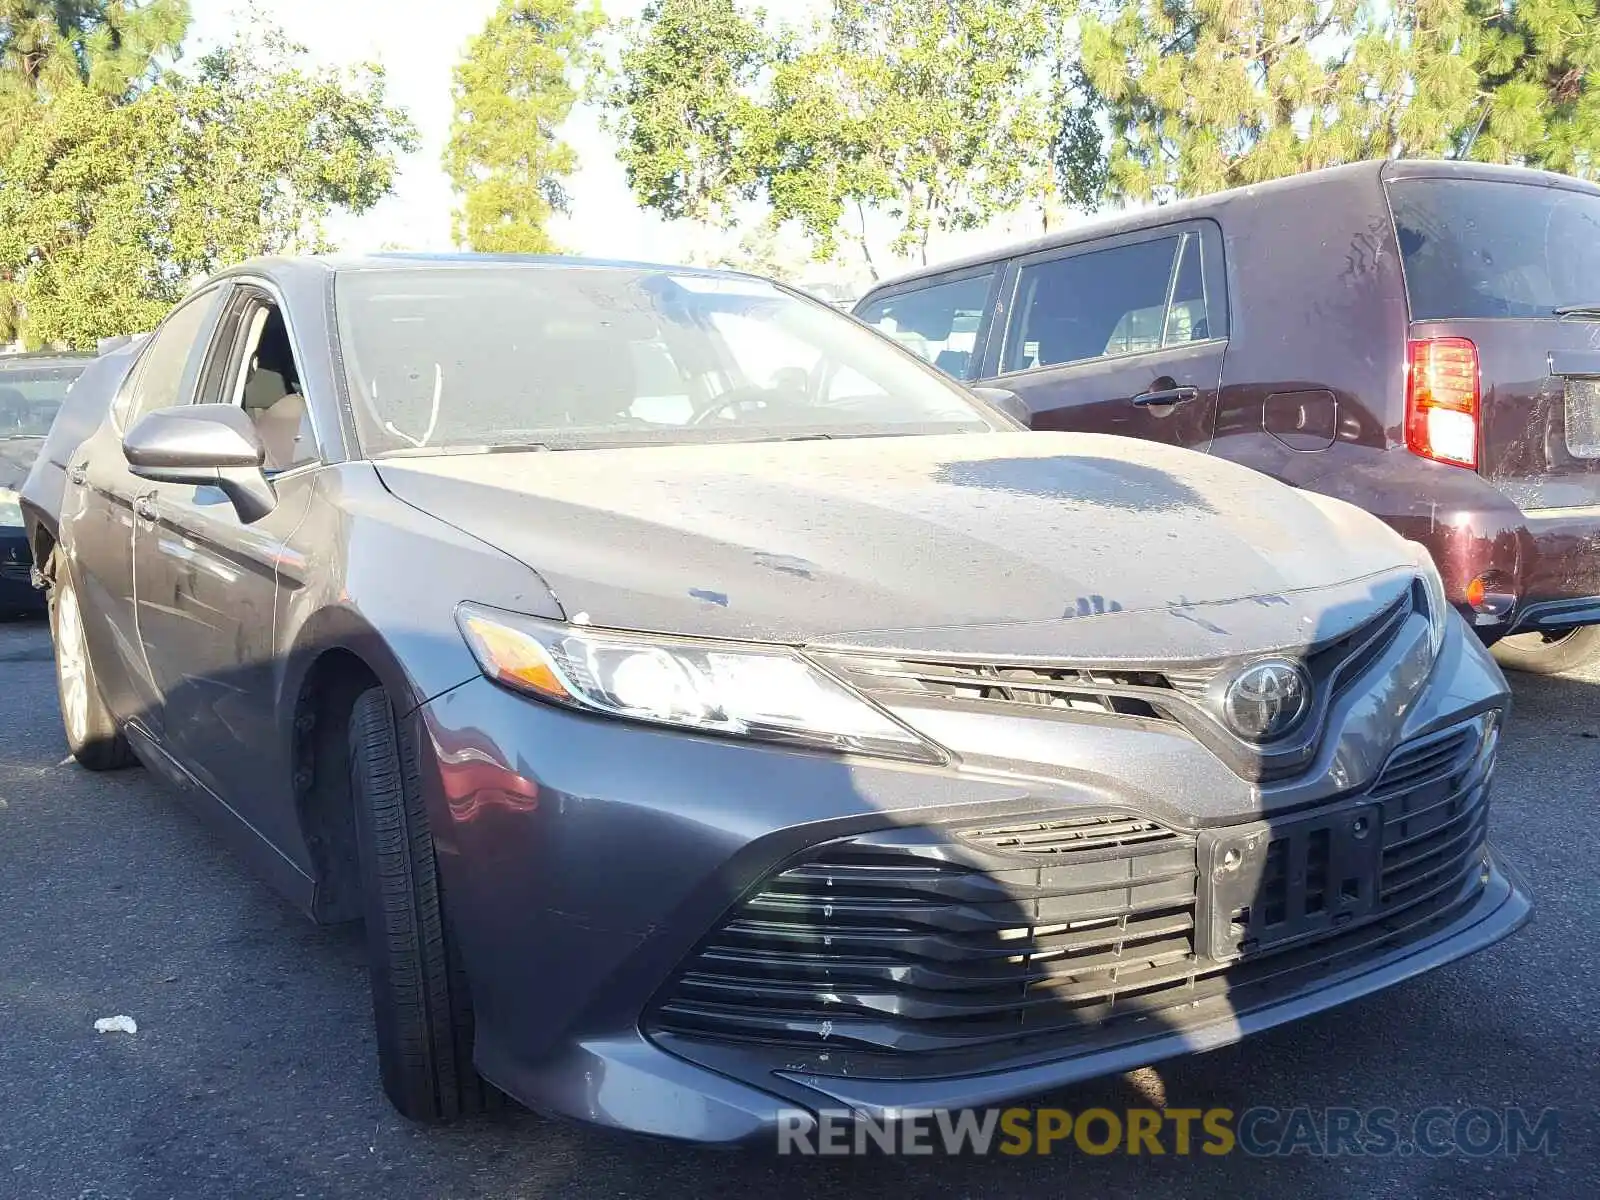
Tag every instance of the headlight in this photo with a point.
(1439, 609)
(10, 509)
(765, 692)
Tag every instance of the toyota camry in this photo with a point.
(715, 714)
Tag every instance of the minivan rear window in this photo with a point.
(1475, 248)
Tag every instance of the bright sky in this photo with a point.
(418, 42)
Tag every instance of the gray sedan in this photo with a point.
(720, 718)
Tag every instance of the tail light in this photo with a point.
(1442, 400)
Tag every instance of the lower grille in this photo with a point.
(1045, 932)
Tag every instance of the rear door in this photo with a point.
(98, 514)
(1124, 336)
(944, 318)
(1491, 261)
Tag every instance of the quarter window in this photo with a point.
(1126, 300)
(940, 323)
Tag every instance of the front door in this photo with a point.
(208, 587)
(1123, 338)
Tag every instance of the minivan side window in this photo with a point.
(1128, 299)
(939, 322)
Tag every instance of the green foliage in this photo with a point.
(1207, 94)
(110, 206)
(1539, 62)
(692, 128)
(513, 89)
(109, 46)
(927, 111)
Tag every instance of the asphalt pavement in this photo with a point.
(252, 1072)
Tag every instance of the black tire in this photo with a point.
(420, 1003)
(92, 735)
(1549, 653)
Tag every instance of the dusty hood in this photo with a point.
(904, 541)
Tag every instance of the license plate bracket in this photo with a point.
(1270, 883)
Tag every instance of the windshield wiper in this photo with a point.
(1578, 310)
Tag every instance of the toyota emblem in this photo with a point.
(1267, 700)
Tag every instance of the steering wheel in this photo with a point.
(750, 393)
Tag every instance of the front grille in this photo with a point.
(20, 571)
(1432, 822)
(1180, 698)
(917, 940)
(1001, 938)
(1124, 693)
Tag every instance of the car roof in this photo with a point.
(326, 264)
(1349, 175)
(45, 358)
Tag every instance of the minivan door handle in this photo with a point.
(1175, 395)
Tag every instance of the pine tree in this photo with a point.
(513, 89)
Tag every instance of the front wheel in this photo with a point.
(1549, 653)
(419, 991)
(92, 734)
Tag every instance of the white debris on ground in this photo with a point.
(117, 1024)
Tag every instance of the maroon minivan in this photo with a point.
(1421, 339)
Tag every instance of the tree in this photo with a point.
(943, 115)
(108, 46)
(513, 89)
(110, 206)
(925, 111)
(1538, 99)
(691, 122)
(1207, 94)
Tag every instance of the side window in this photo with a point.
(157, 379)
(940, 323)
(1126, 300)
(267, 386)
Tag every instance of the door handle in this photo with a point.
(1173, 395)
(78, 472)
(145, 506)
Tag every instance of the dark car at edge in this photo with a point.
(32, 389)
(1421, 339)
(712, 710)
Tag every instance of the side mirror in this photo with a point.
(1007, 402)
(207, 445)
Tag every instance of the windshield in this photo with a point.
(31, 395)
(1474, 248)
(573, 357)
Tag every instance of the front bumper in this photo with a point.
(588, 864)
(630, 1081)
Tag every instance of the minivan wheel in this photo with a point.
(419, 991)
(1549, 653)
(92, 734)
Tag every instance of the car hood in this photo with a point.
(1025, 543)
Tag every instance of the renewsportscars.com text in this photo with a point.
(1261, 1132)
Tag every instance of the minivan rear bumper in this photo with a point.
(1541, 568)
